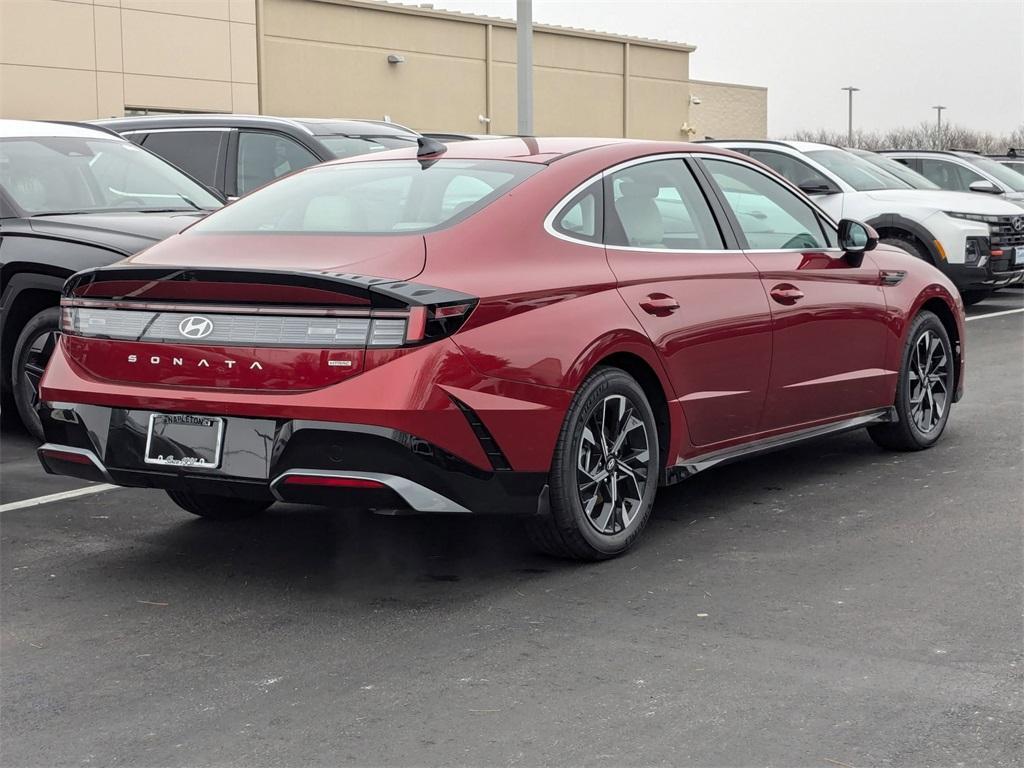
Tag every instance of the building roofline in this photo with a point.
(497, 21)
(729, 85)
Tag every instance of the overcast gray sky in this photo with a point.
(905, 56)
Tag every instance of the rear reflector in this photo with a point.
(71, 458)
(332, 482)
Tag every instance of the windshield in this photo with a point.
(899, 170)
(349, 146)
(1007, 176)
(371, 198)
(856, 171)
(69, 174)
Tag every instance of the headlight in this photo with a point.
(973, 217)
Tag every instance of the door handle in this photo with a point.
(784, 293)
(659, 304)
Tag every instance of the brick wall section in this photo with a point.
(728, 111)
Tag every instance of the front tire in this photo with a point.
(924, 392)
(972, 297)
(32, 352)
(910, 246)
(605, 471)
(214, 507)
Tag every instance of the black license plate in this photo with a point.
(182, 440)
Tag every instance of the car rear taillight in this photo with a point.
(291, 327)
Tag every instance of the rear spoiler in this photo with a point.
(271, 287)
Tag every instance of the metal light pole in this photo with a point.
(938, 112)
(524, 67)
(849, 130)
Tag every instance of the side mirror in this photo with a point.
(817, 188)
(856, 239)
(983, 185)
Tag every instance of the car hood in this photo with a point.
(127, 232)
(944, 200)
(394, 257)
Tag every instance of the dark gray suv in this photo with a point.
(235, 154)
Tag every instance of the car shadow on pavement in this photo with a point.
(418, 561)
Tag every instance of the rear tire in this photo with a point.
(214, 507)
(604, 474)
(32, 352)
(924, 392)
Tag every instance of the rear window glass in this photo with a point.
(372, 198)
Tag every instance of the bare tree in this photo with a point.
(922, 136)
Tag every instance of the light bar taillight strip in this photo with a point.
(260, 326)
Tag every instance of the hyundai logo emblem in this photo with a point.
(195, 327)
(1018, 224)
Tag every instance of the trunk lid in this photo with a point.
(236, 324)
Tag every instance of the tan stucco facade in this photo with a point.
(80, 59)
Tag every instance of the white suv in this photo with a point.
(977, 240)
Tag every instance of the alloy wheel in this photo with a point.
(612, 465)
(928, 381)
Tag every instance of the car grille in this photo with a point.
(1004, 233)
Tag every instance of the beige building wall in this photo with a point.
(329, 58)
(728, 111)
(82, 59)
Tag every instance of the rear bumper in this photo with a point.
(409, 474)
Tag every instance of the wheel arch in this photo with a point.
(635, 355)
(940, 307)
(895, 226)
(25, 294)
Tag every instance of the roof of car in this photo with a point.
(315, 126)
(11, 129)
(534, 149)
(949, 152)
(799, 146)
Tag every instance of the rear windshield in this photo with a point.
(374, 198)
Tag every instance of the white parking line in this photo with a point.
(10, 507)
(996, 314)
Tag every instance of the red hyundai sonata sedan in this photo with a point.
(545, 327)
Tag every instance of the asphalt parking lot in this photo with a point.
(832, 605)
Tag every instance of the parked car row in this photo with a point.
(977, 240)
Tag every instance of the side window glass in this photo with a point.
(770, 215)
(947, 175)
(580, 218)
(262, 157)
(198, 153)
(659, 205)
(793, 170)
